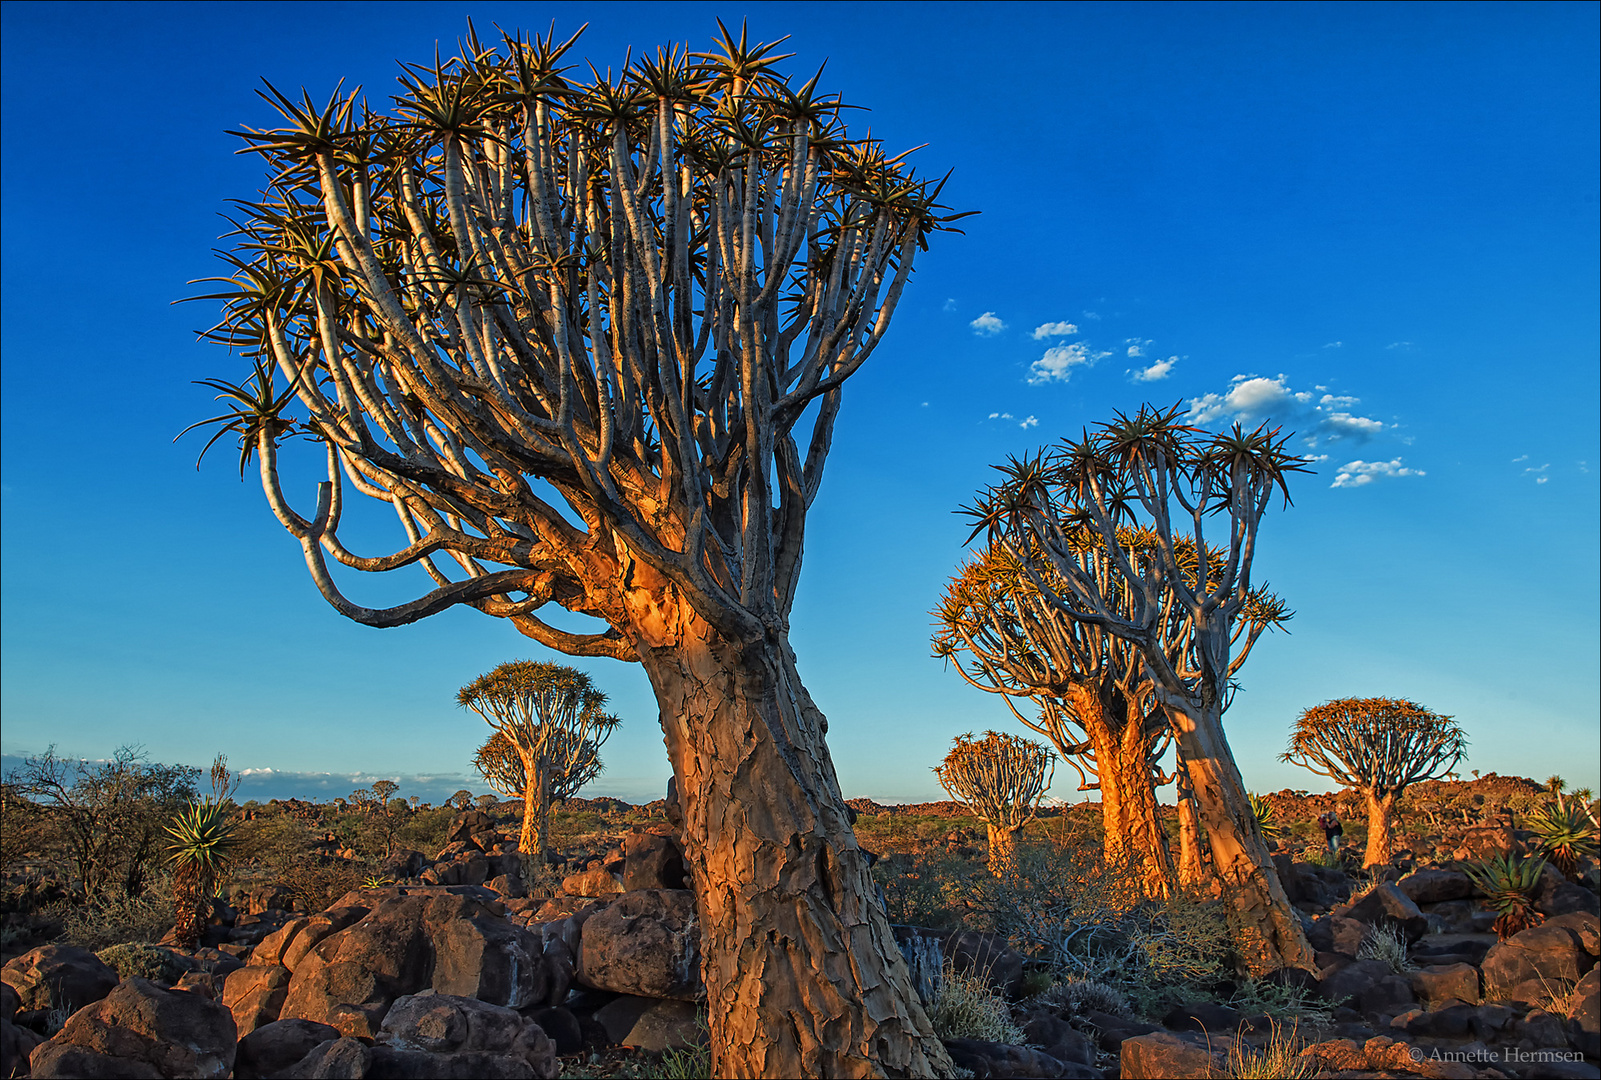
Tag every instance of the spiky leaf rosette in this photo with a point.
(204, 837)
(1508, 883)
(1566, 834)
(1266, 819)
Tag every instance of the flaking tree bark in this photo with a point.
(1144, 488)
(1001, 778)
(1094, 702)
(588, 342)
(1379, 746)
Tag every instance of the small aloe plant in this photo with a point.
(1508, 883)
(202, 840)
(1266, 820)
(1565, 832)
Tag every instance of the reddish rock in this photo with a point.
(591, 883)
(1163, 1056)
(1439, 983)
(652, 861)
(990, 1059)
(139, 1026)
(273, 1048)
(270, 951)
(493, 960)
(462, 1037)
(318, 927)
(1551, 951)
(1485, 842)
(1432, 885)
(255, 995)
(58, 977)
(342, 1059)
(645, 943)
(1387, 904)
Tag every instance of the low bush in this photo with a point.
(1386, 942)
(1085, 996)
(116, 920)
(131, 961)
(964, 1007)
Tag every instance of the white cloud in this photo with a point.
(1362, 473)
(1157, 371)
(1520, 457)
(1059, 361)
(1054, 329)
(1399, 345)
(1335, 345)
(987, 325)
(949, 305)
(1255, 397)
(1538, 473)
(1136, 346)
(1028, 422)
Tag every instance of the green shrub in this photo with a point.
(964, 1007)
(924, 890)
(1282, 1003)
(151, 962)
(1277, 1059)
(1084, 996)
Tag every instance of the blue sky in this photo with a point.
(1376, 224)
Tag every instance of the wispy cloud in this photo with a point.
(987, 325)
(1335, 345)
(949, 305)
(1136, 346)
(1059, 361)
(1399, 345)
(1361, 473)
(1156, 372)
(1255, 397)
(1025, 423)
(1538, 472)
(1054, 329)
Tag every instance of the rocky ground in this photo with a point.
(467, 964)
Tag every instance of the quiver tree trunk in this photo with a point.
(1130, 818)
(1381, 840)
(797, 956)
(1192, 868)
(1002, 849)
(1267, 930)
(535, 837)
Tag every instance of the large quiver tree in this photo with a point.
(1144, 488)
(1094, 702)
(567, 333)
(1379, 746)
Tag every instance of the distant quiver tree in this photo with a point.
(1145, 488)
(501, 766)
(552, 721)
(1002, 779)
(1378, 746)
(587, 340)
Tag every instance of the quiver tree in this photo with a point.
(1377, 746)
(1094, 702)
(1130, 505)
(587, 342)
(1001, 778)
(552, 721)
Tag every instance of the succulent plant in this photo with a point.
(1565, 833)
(203, 838)
(1266, 820)
(1508, 883)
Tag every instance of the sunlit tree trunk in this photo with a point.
(1267, 931)
(1381, 839)
(535, 837)
(1192, 866)
(1130, 818)
(797, 955)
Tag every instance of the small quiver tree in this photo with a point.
(1378, 746)
(202, 841)
(548, 714)
(1002, 778)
